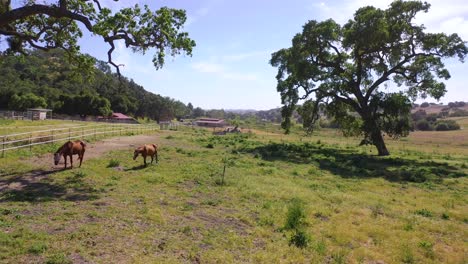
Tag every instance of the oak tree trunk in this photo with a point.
(378, 141)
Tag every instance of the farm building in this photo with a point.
(37, 113)
(210, 122)
(118, 118)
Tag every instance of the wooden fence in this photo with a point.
(39, 137)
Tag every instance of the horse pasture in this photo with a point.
(351, 206)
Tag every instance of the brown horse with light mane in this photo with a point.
(147, 150)
(69, 149)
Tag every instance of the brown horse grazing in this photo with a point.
(68, 149)
(147, 150)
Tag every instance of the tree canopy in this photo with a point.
(342, 68)
(55, 25)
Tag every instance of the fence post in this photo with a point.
(3, 147)
(53, 137)
(69, 135)
(30, 143)
(82, 133)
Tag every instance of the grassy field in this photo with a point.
(288, 199)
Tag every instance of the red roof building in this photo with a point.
(210, 122)
(118, 118)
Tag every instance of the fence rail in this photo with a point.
(39, 137)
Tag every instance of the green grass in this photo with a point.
(346, 205)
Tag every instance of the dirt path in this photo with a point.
(97, 149)
(93, 150)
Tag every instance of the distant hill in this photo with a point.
(47, 79)
(240, 111)
(450, 108)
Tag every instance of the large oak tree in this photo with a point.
(55, 24)
(342, 70)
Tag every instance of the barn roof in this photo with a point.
(39, 109)
(210, 121)
(120, 116)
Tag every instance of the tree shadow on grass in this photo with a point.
(349, 164)
(35, 186)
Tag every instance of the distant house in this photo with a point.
(37, 113)
(210, 122)
(118, 118)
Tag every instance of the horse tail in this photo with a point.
(155, 147)
(83, 144)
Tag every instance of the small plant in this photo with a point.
(187, 230)
(37, 248)
(407, 255)
(424, 212)
(295, 216)
(377, 210)
(295, 221)
(58, 258)
(427, 248)
(80, 174)
(113, 163)
(339, 257)
(320, 247)
(299, 239)
(445, 216)
(227, 162)
(210, 145)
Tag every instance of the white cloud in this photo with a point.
(195, 16)
(207, 67)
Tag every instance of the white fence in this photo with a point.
(34, 138)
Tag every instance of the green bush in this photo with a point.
(113, 163)
(445, 125)
(423, 125)
(299, 239)
(295, 216)
(424, 212)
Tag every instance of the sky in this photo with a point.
(230, 66)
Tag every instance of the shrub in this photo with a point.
(424, 212)
(458, 112)
(299, 239)
(431, 117)
(425, 104)
(418, 115)
(446, 125)
(210, 145)
(113, 163)
(423, 125)
(295, 216)
(37, 248)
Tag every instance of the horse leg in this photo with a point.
(71, 161)
(81, 159)
(156, 155)
(152, 157)
(144, 159)
(65, 158)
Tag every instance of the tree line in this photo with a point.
(48, 79)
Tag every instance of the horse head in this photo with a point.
(135, 154)
(57, 157)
